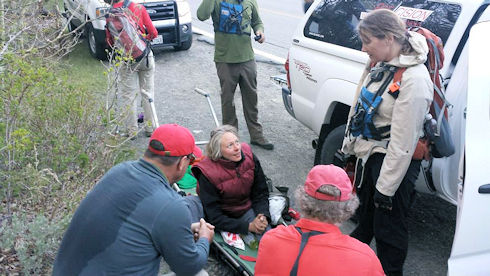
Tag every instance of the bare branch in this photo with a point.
(11, 39)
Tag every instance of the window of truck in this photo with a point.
(335, 21)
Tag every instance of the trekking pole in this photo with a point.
(206, 94)
(153, 113)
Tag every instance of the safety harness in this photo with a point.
(231, 19)
(361, 123)
(304, 240)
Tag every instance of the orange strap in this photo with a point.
(395, 85)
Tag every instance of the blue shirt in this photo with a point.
(126, 223)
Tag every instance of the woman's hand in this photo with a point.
(258, 225)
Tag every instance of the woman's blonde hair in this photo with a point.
(381, 23)
(213, 148)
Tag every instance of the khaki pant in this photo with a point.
(244, 74)
(137, 78)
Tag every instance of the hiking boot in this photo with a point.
(265, 144)
(148, 133)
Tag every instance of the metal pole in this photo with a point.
(230, 259)
(206, 94)
(155, 123)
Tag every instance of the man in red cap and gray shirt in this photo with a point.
(132, 217)
(315, 245)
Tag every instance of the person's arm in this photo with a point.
(173, 238)
(150, 28)
(151, 31)
(210, 199)
(205, 9)
(407, 120)
(256, 22)
(260, 191)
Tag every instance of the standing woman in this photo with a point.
(383, 129)
(231, 184)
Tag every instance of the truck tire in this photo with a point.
(185, 45)
(96, 48)
(331, 144)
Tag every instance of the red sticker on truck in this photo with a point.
(305, 68)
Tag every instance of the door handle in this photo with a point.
(295, 40)
(484, 189)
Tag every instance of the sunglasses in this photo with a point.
(191, 157)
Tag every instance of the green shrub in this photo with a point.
(35, 240)
(55, 133)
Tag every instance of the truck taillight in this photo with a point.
(286, 66)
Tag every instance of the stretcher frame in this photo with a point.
(226, 253)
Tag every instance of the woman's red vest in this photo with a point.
(234, 182)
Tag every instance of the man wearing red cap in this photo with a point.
(133, 217)
(315, 245)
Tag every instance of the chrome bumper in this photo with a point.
(281, 81)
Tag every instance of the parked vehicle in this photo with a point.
(470, 253)
(324, 67)
(171, 18)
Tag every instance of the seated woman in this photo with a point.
(232, 185)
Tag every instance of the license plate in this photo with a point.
(157, 40)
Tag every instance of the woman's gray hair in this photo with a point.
(381, 23)
(328, 211)
(213, 148)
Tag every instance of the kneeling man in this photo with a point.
(315, 245)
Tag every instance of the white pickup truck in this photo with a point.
(325, 64)
(171, 18)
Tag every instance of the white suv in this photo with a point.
(171, 18)
(325, 64)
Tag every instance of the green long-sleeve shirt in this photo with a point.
(232, 48)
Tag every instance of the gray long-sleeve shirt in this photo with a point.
(126, 224)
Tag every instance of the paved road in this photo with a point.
(431, 221)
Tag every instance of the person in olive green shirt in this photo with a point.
(234, 21)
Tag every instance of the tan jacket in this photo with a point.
(405, 115)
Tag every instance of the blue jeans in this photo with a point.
(249, 216)
(195, 207)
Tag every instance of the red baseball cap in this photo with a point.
(328, 175)
(175, 139)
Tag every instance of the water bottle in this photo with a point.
(250, 240)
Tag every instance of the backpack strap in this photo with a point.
(126, 4)
(394, 88)
(304, 240)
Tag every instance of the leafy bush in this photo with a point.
(35, 242)
(55, 140)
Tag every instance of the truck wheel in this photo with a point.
(331, 144)
(185, 45)
(95, 48)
